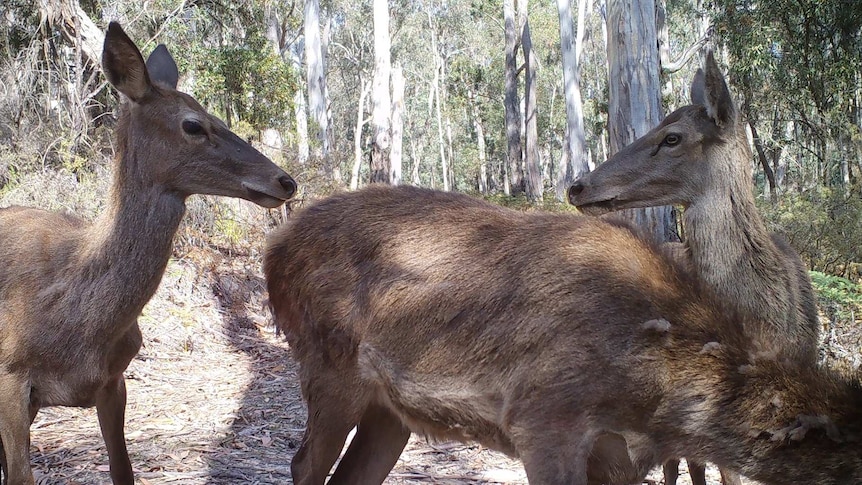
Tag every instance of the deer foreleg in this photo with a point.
(15, 428)
(111, 409)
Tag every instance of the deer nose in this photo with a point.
(575, 190)
(288, 184)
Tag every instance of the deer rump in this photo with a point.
(473, 322)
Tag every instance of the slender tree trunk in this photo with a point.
(764, 161)
(574, 162)
(416, 165)
(635, 92)
(514, 179)
(444, 167)
(301, 127)
(397, 124)
(380, 97)
(357, 136)
(478, 127)
(316, 78)
(531, 153)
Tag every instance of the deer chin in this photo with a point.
(599, 207)
(264, 199)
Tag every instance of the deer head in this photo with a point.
(188, 151)
(677, 161)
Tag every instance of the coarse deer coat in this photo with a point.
(550, 337)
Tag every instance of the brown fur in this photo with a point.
(545, 336)
(709, 172)
(70, 291)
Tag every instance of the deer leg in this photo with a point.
(15, 428)
(697, 472)
(379, 440)
(729, 477)
(111, 410)
(671, 472)
(333, 410)
(552, 457)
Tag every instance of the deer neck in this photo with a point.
(128, 247)
(730, 248)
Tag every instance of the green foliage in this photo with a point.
(248, 81)
(837, 290)
(824, 225)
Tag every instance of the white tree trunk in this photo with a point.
(395, 154)
(381, 101)
(301, 127)
(574, 163)
(357, 137)
(316, 77)
(514, 181)
(635, 91)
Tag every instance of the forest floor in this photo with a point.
(213, 397)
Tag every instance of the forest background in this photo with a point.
(467, 96)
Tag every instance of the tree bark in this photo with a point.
(574, 162)
(380, 97)
(764, 161)
(479, 128)
(316, 77)
(513, 115)
(635, 93)
(532, 160)
(357, 136)
(397, 124)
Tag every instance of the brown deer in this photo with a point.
(699, 157)
(71, 291)
(549, 337)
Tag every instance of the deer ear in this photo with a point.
(123, 65)
(697, 96)
(162, 67)
(714, 94)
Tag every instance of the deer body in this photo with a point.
(546, 336)
(71, 291)
(699, 157)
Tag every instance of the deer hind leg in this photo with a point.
(671, 471)
(379, 440)
(697, 472)
(729, 477)
(15, 428)
(334, 408)
(111, 410)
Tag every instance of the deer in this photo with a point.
(699, 157)
(567, 341)
(71, 291)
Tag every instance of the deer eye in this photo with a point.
(193, 127)
(672, 139)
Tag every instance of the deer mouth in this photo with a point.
(599, 207)
(265, 199)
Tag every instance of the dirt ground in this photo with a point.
(214, 399)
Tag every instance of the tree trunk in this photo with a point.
(635, 92)
(397, 124)
(513, 116)
(316, 78)
(380, 98)
(301, 127)
(441, 143)
(764, 161)
(573, 163)
(479, 128)
(357, 136)
(76, 26)
(531, 136)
